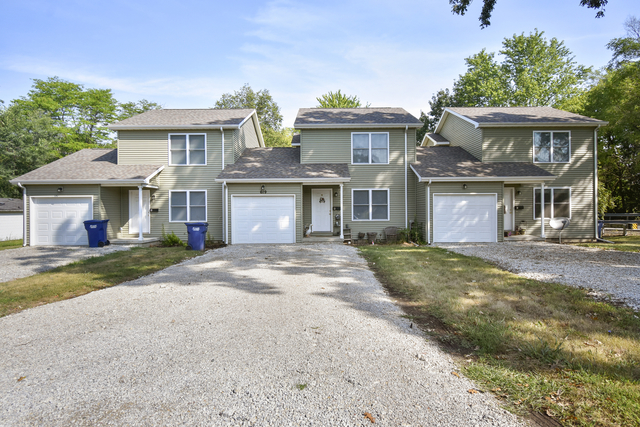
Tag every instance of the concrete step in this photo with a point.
(322, 239)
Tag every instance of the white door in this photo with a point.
(134, 212)
(263, 219)
(465, 218)
(321, 209)
(60, 220)
(508, 208)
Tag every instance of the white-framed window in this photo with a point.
(187, 205)
(557, 202)
(187, 149)
(370, 204)
(551, 146)
(369, 148)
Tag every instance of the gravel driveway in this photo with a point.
(29, 260)
(244, 335)
(611, 272)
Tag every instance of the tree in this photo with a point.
(460, 7)
(27, 141)
(441, 100)
(277, 138)
(130, 109)
(268, 111)
(339, 100)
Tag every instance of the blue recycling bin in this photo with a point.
(196, 231)
(97, 232)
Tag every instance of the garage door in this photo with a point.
(464, 218)
(263, 219)
(59, 220)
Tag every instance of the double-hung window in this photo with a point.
(369, 148)
(557, 202)
(370, 205)
(187, 149)
(187, 205)
(551, 147)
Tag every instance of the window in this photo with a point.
(370, 205)
(551, 147)
(188, 206)
(187, 149)
(557, 203)
(368, 148)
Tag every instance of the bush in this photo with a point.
(172, 240)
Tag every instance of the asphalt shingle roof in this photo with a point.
(280, 163)
(455, 162)
(437, 138)
(11, 205)
(185, 117)
(511, 115)
(88, 164)
(326, 117)
(295, 139)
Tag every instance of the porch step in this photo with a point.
(322, 239)
(524, 238)
(147, 241)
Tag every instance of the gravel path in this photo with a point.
(231, 338)
(29, 260)
(613, 272)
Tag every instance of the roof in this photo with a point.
(91, 165)
(11, 205)
(295, 139)
(518, 116)
(450, 163)
(281, 164)
(437, 138)
(185, 118)
(355, 117)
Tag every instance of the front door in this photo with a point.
(321, 209)
(134, 211)
(508, 208)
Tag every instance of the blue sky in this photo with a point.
(185, 54)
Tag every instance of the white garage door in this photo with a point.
(59, 220)
(464, 218)
(263, 219)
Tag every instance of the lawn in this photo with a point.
(538, 347)
(85, 276)
(622, 243)
(10, 244)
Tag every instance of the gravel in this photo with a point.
(609, 272)
(30, 260)
(243, 335)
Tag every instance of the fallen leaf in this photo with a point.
(456, 374)
(370, 417)
(472, 391)
(21, 379)
(496, 389)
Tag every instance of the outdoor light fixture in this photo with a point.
(60, 189)
(519, 193)
(262, 190)
(335, 194)
(464, 186)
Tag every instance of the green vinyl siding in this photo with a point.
(247, 138)
(273, 189)
(69, 191)
(110, 209)
(463, 134)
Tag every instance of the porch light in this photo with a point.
(262, 190)
(335, 194)
(519, 193)
(464, 186)
(60, 189)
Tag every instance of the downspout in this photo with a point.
(140, 224)
(406, 194)
(542, 210)
(595, 180)
(429, 213)
(341, 214)
(222, 131)
(226, 212)
(24, 214)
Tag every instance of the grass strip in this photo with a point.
(622, 243)
(537, 346)
(10, 244)
(85, 276)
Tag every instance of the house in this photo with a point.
(487, 171)
(161, 175)
(11, 219)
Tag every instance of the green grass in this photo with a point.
(85, 276)
(537, 346)
(622, 243)
(10, 244)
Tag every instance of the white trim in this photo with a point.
(406, 193)
(511, 190)
(246, 118)
(188, 135)
(309, 181)
(295, 212)
(533, 151)
(495, 225)
(505, 179)
(206, 207)
(103, 182)
(226, 213)
(56, 196)
(171, 127)
(138, 208)
(371, 204)
(24, 214)
(358, 125)
(222, 161)
(595, 181)
(435, 143)
(449, 111)
(371, 133)
(550, 201)
(429, 212)
(537, 124)
(341, 212)
(330, 191)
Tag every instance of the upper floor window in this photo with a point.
(557, 202)
(187, 149)
(551, 147)
(369, 147)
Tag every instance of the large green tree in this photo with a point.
(267, 109)
(130, 109)
(339, 100)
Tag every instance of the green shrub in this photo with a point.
(172, 240)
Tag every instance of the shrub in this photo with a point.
(172, 240)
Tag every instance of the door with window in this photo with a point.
(134, 218)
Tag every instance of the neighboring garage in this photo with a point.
(263, 219)
(11, 219)
(465, 218)
(59, 220)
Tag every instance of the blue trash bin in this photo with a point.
(97, 232)
(600, 227)
(196, 231)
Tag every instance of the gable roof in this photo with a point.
(185, 118)
(437, 139)
(309, 118)
(90, 166)
(517, 116)
(281, 164)
(11, 205)
(456, 164)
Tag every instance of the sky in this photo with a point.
(187, 53)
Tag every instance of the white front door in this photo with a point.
(60, 220)
(321, 209)
(508, 208)
(134, 210)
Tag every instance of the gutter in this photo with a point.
(429, 213)
(406, 194)
(358, 125)
(24, 214)
(595, 180)
(288, 180)
(222, 131)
